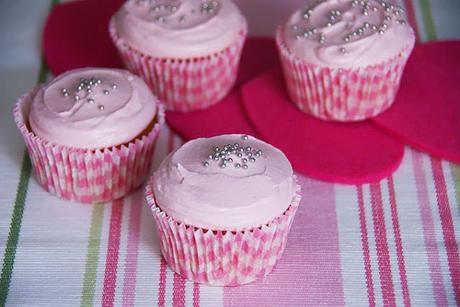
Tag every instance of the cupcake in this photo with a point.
(187, 51)
(342, 59)
(223, 207)
(90, 133)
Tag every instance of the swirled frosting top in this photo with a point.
(92, 108)
(228, 182)
(179, 28)
(348, 33)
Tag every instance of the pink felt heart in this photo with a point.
(223, 118)
(426, 113)
(350, 153)
(76, 35)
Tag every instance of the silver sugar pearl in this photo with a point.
(245, 137)
(114, 86)
(106, 92)
(77, 97)
(245, 166)
(205, 163)
(230, 160)
(381, 32)
(223, 165)
(252, 159)
(66, 94)
(90, 100)
(89, 91)
(342, 50)
(239, 155)
(237, 165)
(216, 149)
(244, 160)
(210, 157)
(100, 107)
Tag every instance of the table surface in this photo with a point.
(395, 242)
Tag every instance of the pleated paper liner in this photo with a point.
(222, 258)
(84, 175)
(350, 94)
(184, 84)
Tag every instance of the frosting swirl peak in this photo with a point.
(92, 108)
(193, 186)
(179, 28)
(348, 33)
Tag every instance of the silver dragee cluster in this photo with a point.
(84, 88)
(235, 154)
(366, 7)
(163, 10)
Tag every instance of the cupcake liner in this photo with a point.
(222, 258)
(184, 84)
(83, 175)
(341, 94)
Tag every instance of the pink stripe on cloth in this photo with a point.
(196, 295)
(383, 255)
(132, 250)
(365, 246)
(309, 273)
(178, 299)
(398, 242)
(448, 231)
(162, 284)
(111, 262)
(428, 231)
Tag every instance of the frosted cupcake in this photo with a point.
(223, 207)
(90, 133)
(187, 51)
(343, 59)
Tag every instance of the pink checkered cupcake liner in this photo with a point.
(184, 84)
(222, 258)
(82, 175)
(341, 94)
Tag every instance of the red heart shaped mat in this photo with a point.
(426, 113)
(350, 153)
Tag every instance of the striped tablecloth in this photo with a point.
(395, 242)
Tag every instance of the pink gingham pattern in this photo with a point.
(222, 258)
(184, 84)
(341, 94)
(87, 176)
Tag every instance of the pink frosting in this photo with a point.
(179, 28)
(230, 198)
(106, 113)
(348, 33)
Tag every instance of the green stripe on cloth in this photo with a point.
(19, 206)
(92, 256)
(456, 174)
(428, 20)
(15, 227)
